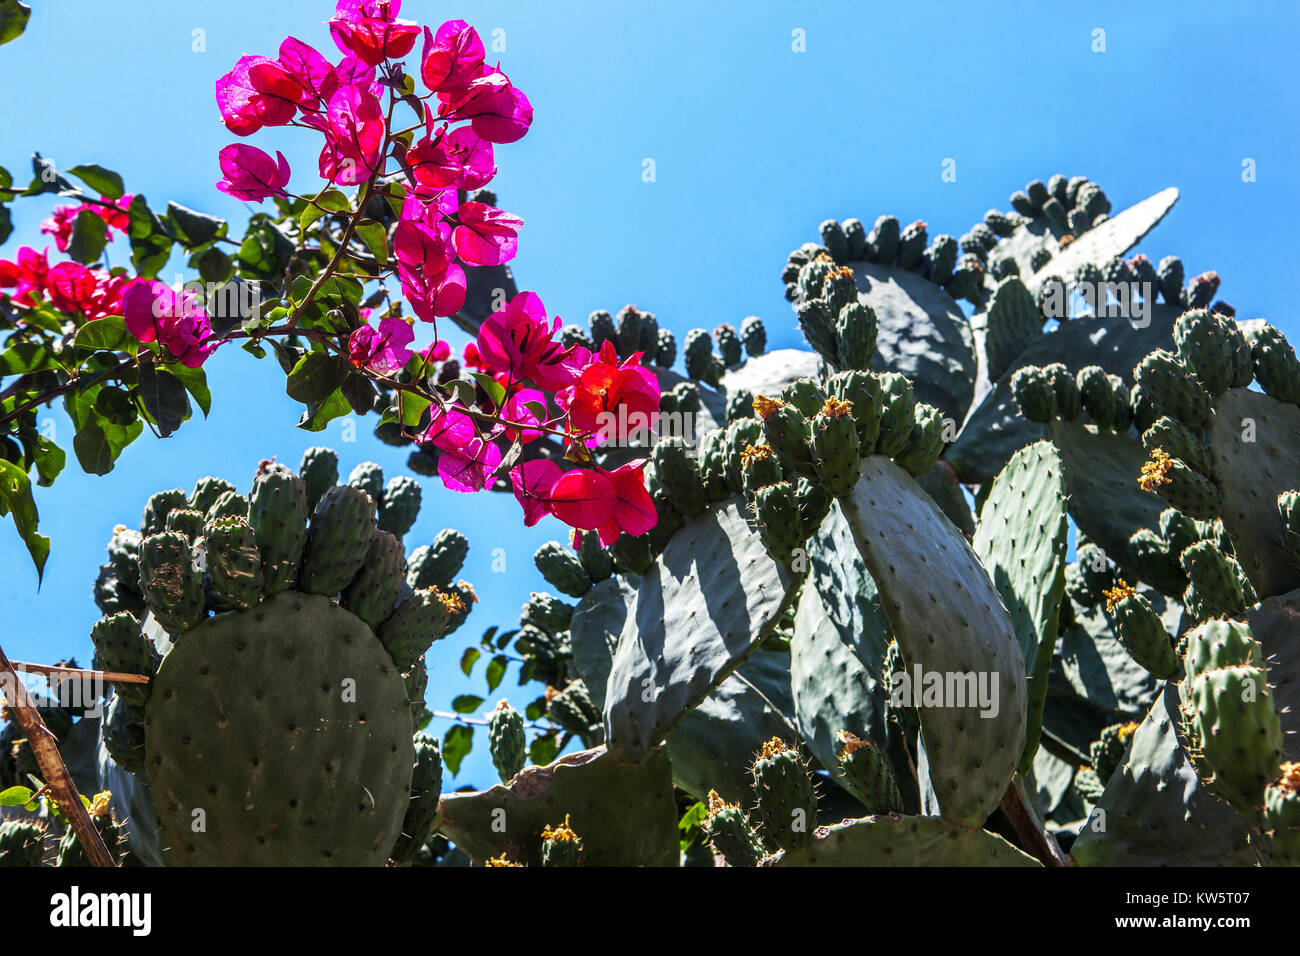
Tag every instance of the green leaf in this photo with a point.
(16, 499)
(316, 417)
(466, 703)
(462, 391)
(468, 659)
(195, 381)
(287, 355)
(360, 392)
(412, 407)
(164, 397)
(46, 178)
(396, 195)
(13, 19)
(6, 223)
(495, 390)
(265, 250)
(456, 745)
(314, 378)
(16, 797)
(26, 357)
(104, 181)
(690, 824)
(92, 448)
(150, 255)
(213, 265)
(331, 199)
(339, 289)
(496, 670)
(49, 460)
(193, 229)
(375, 237)
(114, 404)
(543, 750)
(98, 443)
(89, 236)
(108, 334)
(299, 288)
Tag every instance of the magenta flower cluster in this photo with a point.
(467, 109)
(469, 106)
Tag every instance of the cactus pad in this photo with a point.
(288, 725)
(702, 608)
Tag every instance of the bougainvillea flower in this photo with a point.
(613, 400)
(486, 236)
(26, 275)
(518, 342)
(371, 31)
(353, 72)
(634, 509)
(438, 351)
(314, 73)
(433, 295)
(584, 498)
(467, 468)
(419, 248)
(154, 311)
(517, 409)
(449, 429)
(532, 482)
(63, 219)
(460, 159)
(117, 215)
(497, 111)
(384, 349)
(609, 502)
(453, 57)
(258, 92)
(69, 284)
(433, 285)
(432, 211)
(80, 290)
(251, 174)
(59, 225)
(558, 367)
(354, 136)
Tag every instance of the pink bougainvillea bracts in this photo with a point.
(426, 151)
(154, 311)
(251, 174)
(382, 349)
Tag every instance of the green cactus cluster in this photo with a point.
(856, 634)
(632, 330)
(302, 631)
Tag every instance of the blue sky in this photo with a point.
(753, 143)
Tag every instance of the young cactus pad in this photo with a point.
(972, 751)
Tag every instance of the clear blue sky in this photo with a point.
(754, 144)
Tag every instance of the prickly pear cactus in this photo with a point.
(276, 727)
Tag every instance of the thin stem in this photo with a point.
(54, 771)
(50, 670)
(1034, 839)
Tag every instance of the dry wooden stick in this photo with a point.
(53, 670)
(53, 769)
